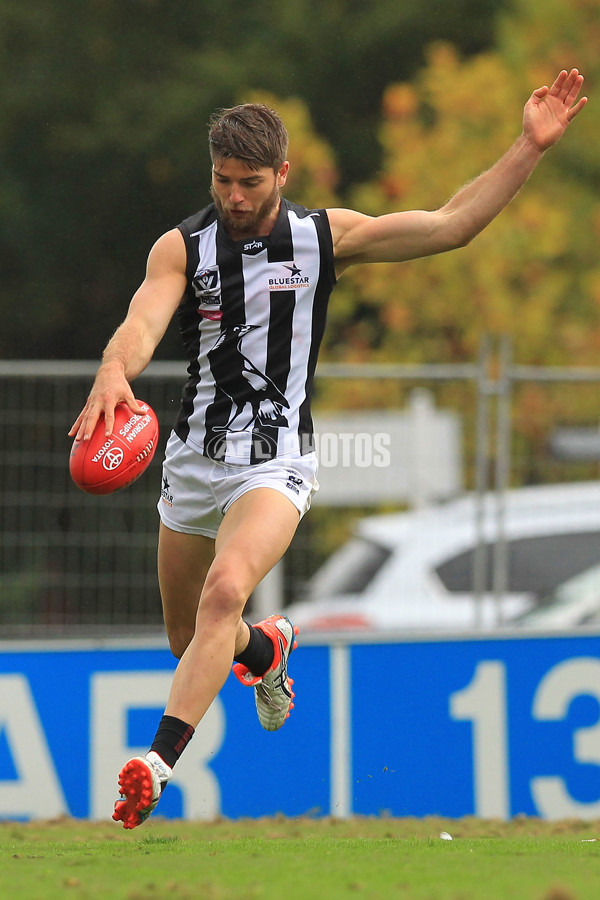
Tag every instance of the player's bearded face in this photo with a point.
(244, 221)
(245, 198)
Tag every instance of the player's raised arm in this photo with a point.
(131, 347)
(407, 235)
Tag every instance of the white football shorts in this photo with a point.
(197, 492)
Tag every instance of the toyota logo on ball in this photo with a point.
(112, 459)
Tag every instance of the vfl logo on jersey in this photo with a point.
(290, 280)
(207, 287)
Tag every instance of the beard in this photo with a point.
(245, 224)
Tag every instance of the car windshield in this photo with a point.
(582, 591)
(536, 565)
(350, 570)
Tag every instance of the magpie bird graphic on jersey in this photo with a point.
(255, 397)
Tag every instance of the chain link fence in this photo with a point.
(71, 562)
(68, 559)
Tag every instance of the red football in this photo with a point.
(106, 464)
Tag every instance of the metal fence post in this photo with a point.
(481, 477)
(502, 473)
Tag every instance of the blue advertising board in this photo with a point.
(492, 727)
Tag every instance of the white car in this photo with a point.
(414, 570)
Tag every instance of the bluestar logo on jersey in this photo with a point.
(165, 493)
(290, 282)
(207, 286)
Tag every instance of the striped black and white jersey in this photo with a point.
(252, 320)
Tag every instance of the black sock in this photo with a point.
(259, 653)
(171, 739)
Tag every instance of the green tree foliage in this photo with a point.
(103, 143)
(534, 271)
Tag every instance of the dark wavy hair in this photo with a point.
(252, 133)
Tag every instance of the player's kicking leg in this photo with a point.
(220, 635)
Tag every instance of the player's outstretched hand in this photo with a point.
(108, 389)
(549, 110)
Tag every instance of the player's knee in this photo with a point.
(223, 596)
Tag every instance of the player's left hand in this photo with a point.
(549, 110)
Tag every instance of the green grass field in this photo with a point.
(301, 859)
